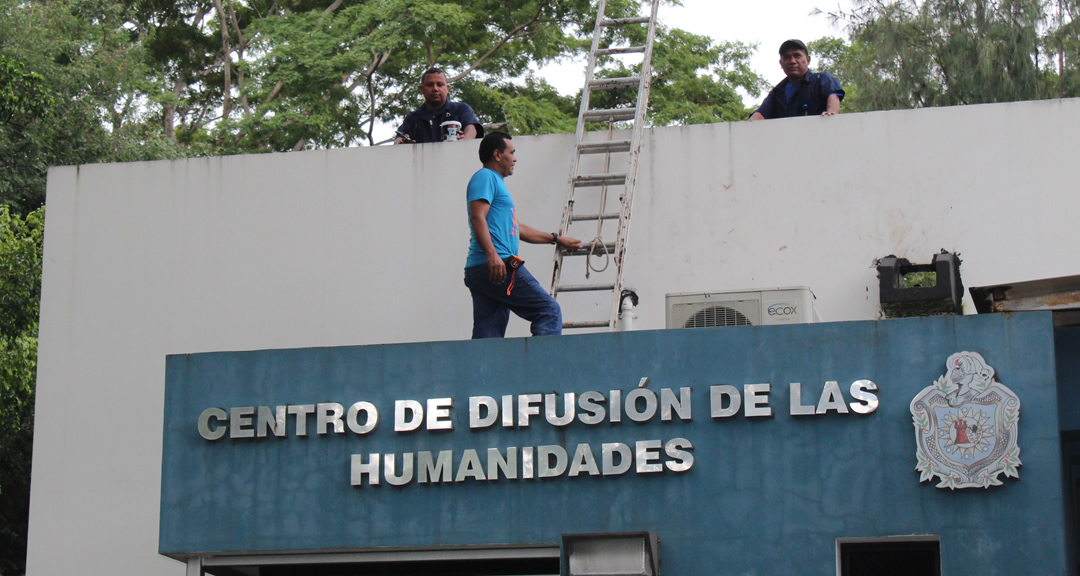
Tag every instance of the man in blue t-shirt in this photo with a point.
(497, 282)
(803, 93)
(425, 123)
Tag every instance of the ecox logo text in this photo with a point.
(783, 309)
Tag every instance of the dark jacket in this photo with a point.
(423, 125)
(809, 99)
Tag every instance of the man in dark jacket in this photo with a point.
(803, 93)
(425, 123)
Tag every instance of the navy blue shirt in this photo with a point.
(810, 98)
(423, 125)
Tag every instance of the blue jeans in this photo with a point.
(492, 305)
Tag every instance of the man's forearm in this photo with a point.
(832, 105)
(534, 236)
(469, 132)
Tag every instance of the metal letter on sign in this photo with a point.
(966, 426)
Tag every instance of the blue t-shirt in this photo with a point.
(488, 185)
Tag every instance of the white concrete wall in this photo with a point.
(364, 246)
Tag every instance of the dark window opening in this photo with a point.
(890, 558)
(1070, 447)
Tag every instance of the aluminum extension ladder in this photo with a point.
(605, 143)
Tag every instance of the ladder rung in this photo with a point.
(586, 287)
(585, 250)
(594, 217)
(613, 83)
(620, 50)
(585, 324)
(613, 115)
(625, 21)
(602, 147)
(601, 180)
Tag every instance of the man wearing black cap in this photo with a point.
(803, 93)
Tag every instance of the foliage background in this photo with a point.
(20, 292)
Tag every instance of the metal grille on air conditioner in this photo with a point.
(717, 316)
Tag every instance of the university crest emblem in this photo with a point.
(966, 426)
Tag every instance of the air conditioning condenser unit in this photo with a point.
(761, 307)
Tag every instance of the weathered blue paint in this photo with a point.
(764, 496)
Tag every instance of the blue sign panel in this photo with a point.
(747, 450)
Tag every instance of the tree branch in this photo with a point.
(240, 89)
(198, 18)
(197, 121)
(168, 119)
(274, 92)
(479, 62)
(118, 117)
(371, 112)
(227, 60)
(236, 24)
(376, 62)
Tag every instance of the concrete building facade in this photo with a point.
(366, 246)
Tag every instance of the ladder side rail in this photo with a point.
(590, 69)
(631, 173)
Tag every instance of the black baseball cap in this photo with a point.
(792, 44)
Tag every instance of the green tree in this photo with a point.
(915, 53)
(529, 107)
(832, 55)
(23, 99)
(695, 80)
(1062, 45)
(20, 292)
(271, 75)
(22, 93)
(80, 98)
(167, 78)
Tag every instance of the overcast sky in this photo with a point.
(765, 22)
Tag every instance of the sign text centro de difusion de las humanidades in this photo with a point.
(519, 412)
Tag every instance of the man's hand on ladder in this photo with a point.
(568, 243)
